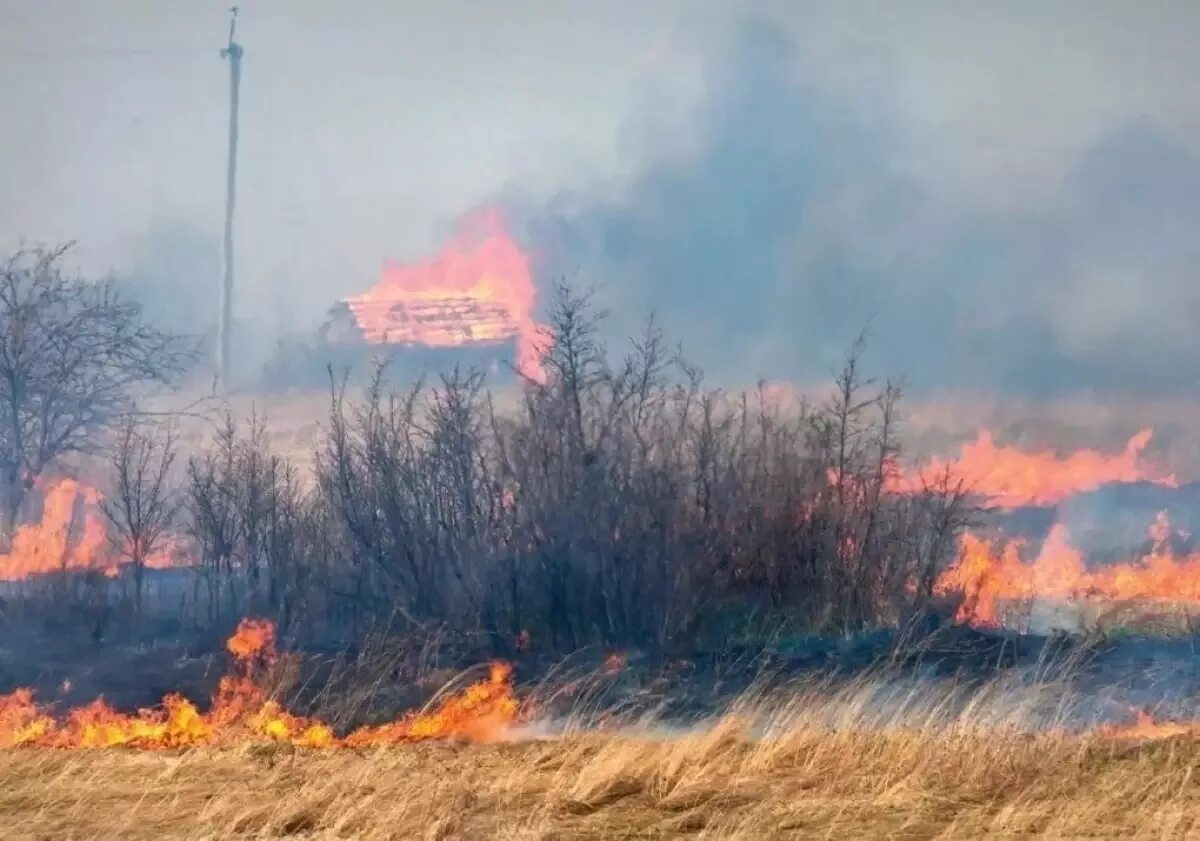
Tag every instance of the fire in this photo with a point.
(478, 714)
(241, 711)
(615, 662)
(1009, 477)
(990, 575)
(477, 290)
(253, 637)
(71, 535)
(1147, 728)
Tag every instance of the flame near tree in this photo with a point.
(242, 711)
(79, 352)
(72, 535)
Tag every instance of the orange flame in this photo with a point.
(988, 576)
(479, 714)
(1147, 728)
(71, 535)
(252, 637)
(1009, 477)
(241, 711)
(615, 662)
(477, 290)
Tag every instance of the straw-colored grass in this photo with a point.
(835, 770)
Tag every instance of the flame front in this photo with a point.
(241, 711)
(1008, 477)
(477, 290)
(989, 575)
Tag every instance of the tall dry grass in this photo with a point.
(871, 760)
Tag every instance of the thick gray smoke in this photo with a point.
(174, 274)
(782, 221)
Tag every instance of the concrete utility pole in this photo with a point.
(233, 52)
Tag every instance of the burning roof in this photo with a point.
(476, 292)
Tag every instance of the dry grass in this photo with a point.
(808, 779)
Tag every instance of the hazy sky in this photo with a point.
(1020, 179)
(366, 127)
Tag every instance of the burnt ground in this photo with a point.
(1105, 676)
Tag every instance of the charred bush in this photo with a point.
(616, 501)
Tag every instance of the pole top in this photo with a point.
(234, 50)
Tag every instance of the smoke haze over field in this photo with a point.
(1007, 195)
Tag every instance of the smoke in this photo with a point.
(784, 219)
(174, 273)
(770, 220)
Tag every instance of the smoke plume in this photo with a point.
(784, 219)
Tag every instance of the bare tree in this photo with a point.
(72, 354)
(143, 502)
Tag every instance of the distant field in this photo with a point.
(293, 420)
(714, 785)
(931, 425)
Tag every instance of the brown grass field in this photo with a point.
(805, 780)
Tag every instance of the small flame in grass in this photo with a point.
(480, 713)
(242, 712)
(1008, 477)
(989, 575)
(615, 662)
(1146, 727)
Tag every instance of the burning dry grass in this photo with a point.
(719, 783)
(873, 759)
(883, 756)
(243, 711)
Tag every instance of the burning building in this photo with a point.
(472, 304)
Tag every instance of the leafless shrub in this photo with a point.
(142, 504)
(622, 501)
(251, 521)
